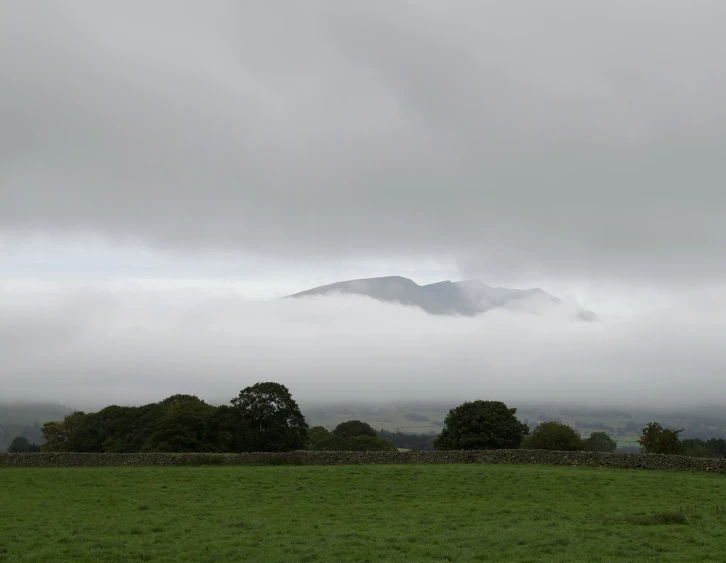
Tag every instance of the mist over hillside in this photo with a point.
(134, 345)
(467, 298)
(424, 419)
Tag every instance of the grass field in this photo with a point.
(623, 441)
(360, 513)
(385, 420)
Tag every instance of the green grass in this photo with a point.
(370, 513)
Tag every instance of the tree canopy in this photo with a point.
(695, 447)
(553, 436)
(350, 436)
(600, 442)
(21, 445)
(263, 417)
(658, 440)
(354, 428)
(271, 417)
(184, 426)
(481, 425)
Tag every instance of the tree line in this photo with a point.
(265, 418)
(262, 418)
(21, 445)
(492, 425)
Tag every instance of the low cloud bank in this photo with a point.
(124, 347)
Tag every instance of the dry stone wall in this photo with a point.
(544, 457)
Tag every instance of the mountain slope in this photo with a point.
(467, 298)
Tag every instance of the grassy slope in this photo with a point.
(358, 513)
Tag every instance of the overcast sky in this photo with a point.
(247, 150)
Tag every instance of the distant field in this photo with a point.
(396, 420)
(392, 418)
(627, 441)
(360, 513)
(386, 420)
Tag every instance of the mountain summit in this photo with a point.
(467, 298)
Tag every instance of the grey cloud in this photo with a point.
(565, 139)
(127, 346)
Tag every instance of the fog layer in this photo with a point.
(96, 348)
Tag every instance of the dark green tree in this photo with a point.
(354, 428)
(553, 436)
(600, 442)
(329, 443)
(717, 446)
(178, 398)
(21, 445)
(117, 429)
(226, 430)
(319, 439)
(183, 427)
(658, 440)
(64, 436)
(368, 444)
(695, 447)
(481, 425)
(270, 419)
(125, 429)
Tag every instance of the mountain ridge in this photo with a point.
(466, 298)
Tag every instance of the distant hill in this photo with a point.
(466, 298)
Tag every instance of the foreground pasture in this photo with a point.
(360, 513)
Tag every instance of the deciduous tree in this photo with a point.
(183, 427)
(271, 418)
(481, 425)
(63, 436)
(600, 442)
(319, 439)
(553, 436)
(21, 445)
(354, 428)
(658, 440)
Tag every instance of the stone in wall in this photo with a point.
(543, 457)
